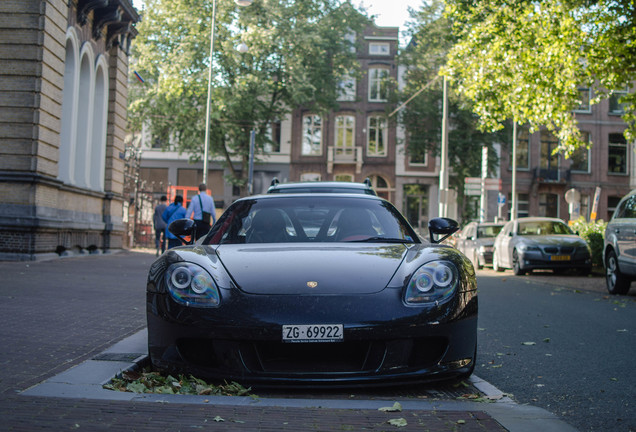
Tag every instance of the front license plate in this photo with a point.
(560, 258)
(313, 333)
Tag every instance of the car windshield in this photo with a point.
(311, 219)
(543, 228)
(489, 231)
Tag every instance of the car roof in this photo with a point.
(275, 196)
(319, 186)
(539, 219)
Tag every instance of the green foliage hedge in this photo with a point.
(593, 233)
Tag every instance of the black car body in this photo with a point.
(476, 242)
(295, 289)
(619, 252)
(533, 243)
(321, 187)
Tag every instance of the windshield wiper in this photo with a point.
(382, 240)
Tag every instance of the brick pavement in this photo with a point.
(56, 314)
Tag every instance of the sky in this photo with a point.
(390, 13)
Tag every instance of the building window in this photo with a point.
(581, 156)
(549, 163)
(344, 177)
(377, 136)
(345, 137)
(417, 157)
(381, 186)
(612, 203)
(585, 94)
(549, 205)
(615, 107)
(350, 40)
(617, 157)
(347, 89)
(312, 135)
(273, 138)
(523, 149)
(378, 90)
(310, 177)
(523, 204)
(379, 48)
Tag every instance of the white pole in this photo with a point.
(513, 193)
(207, 107)
(484, 174)
(443, 172)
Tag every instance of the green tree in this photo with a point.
(431, 39)
(298, 52)
(526, 60)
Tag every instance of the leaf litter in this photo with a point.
(148, 381)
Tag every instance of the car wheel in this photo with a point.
(516, 265)
(616, 282)
(478, 264)
(495, 262)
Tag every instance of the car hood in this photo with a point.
(554, 240)
(324, 270)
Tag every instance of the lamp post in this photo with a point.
(443, 172)
(206, 144)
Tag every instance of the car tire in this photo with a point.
(495, 262)
(516, 265)
(615, 281)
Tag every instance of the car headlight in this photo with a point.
(191, 285)
(524, 247)
(434, 282)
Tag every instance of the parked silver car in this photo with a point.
(530, 243)
(619, 251)
(476, 241)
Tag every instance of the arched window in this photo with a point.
(84, 118)
(66, 156)
(100, 117)
(381, 186)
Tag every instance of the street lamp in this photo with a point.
(207, 108)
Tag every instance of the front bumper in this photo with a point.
(537, 260)
(384, 340)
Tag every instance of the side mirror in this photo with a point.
(183, 228)
(442, 227)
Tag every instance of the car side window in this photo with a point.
(630, 208)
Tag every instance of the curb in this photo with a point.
(85, 381)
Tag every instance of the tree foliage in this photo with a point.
(526, 60)
(297, 54)
(431, 40)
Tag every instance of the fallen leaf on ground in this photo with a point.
(395, 408)
(399, 422)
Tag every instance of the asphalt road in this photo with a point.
(560, 343)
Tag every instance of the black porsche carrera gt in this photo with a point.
(316, 289)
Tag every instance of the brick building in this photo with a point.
(543, 178)
(63, 90)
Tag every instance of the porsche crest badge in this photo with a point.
(312, 284)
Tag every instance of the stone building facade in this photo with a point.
(63, 91)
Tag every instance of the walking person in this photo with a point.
(173, 212)
(202, 207)
(160, 225)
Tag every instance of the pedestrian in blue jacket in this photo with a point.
(172, 213)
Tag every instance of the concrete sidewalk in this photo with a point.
(61, 318)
